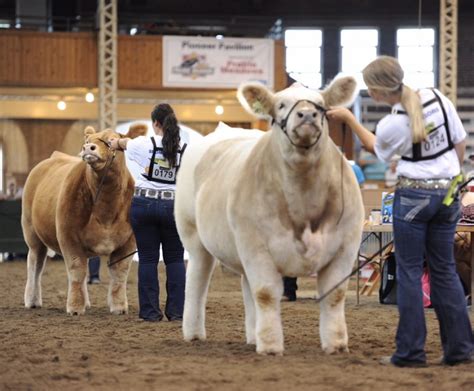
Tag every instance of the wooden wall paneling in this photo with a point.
(10, 58)
(140, 62)
(36, 59)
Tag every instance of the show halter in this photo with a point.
(282, 124)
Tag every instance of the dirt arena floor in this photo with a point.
(45, 349)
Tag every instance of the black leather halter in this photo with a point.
(282, 124)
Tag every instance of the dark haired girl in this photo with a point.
(152, 214)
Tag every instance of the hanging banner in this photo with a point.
(199, 62)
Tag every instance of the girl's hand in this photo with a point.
(119, 144)
(340, 114)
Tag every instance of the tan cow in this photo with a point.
(285, 203)
(80, 208)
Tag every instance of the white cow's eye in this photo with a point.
(282, 106)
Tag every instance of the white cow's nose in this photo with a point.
(89, 147)
(307, 114)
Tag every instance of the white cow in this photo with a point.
(270, 205)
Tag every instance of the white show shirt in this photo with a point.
(394, 137)
(140, 150)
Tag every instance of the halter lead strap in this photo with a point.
(107, 167)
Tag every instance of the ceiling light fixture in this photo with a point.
(90, 97)
(219, 109)
(61, 105)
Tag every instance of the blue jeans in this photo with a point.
(154, 225)
(424, 227)
(94, 267)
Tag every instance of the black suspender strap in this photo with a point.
(426, 104)
(152, 160)
(445, 116)
(416, 149)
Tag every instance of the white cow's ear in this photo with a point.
(88, 131)
(137, 129)
(256, 99)
(341, 92)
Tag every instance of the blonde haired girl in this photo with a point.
(425, 130)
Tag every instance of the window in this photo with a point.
(303, 56)
(359, 47)
(416, 56)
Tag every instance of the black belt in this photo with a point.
(157, 194)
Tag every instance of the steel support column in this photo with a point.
(448, 48)
(107, 64)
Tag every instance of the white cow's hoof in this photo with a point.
(270, 351)
(336, 349)
(74, 312)
(119, 311)
(251, 341)
(189, 337)
(33, 303)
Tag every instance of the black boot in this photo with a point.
(289, 288)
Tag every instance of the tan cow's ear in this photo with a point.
(256, 99)
(88, 131)
(341, 92)
(135, 130)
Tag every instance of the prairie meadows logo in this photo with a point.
(194, 66)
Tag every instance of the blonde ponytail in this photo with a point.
(412, 104)
(386, 75)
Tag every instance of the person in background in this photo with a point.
(424, 220)
(373, 168)
(152, 214)
(94, 268)
(391, 177)
(13, 192)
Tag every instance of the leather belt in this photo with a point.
(157, 194)
(408, 183)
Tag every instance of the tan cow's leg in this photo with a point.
(250, 317)
(77, 296)
(35, 265)
(117, 296)
(332, 322)
(198, 276)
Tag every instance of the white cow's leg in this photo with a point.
(198, 277)
(266, 285)
(332, 322)
(77, 287)
(35, 266)
(118, 271)
(250, 317)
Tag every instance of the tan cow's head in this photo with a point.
(96, 149)
(297, 111)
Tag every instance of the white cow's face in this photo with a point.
(299, 113)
